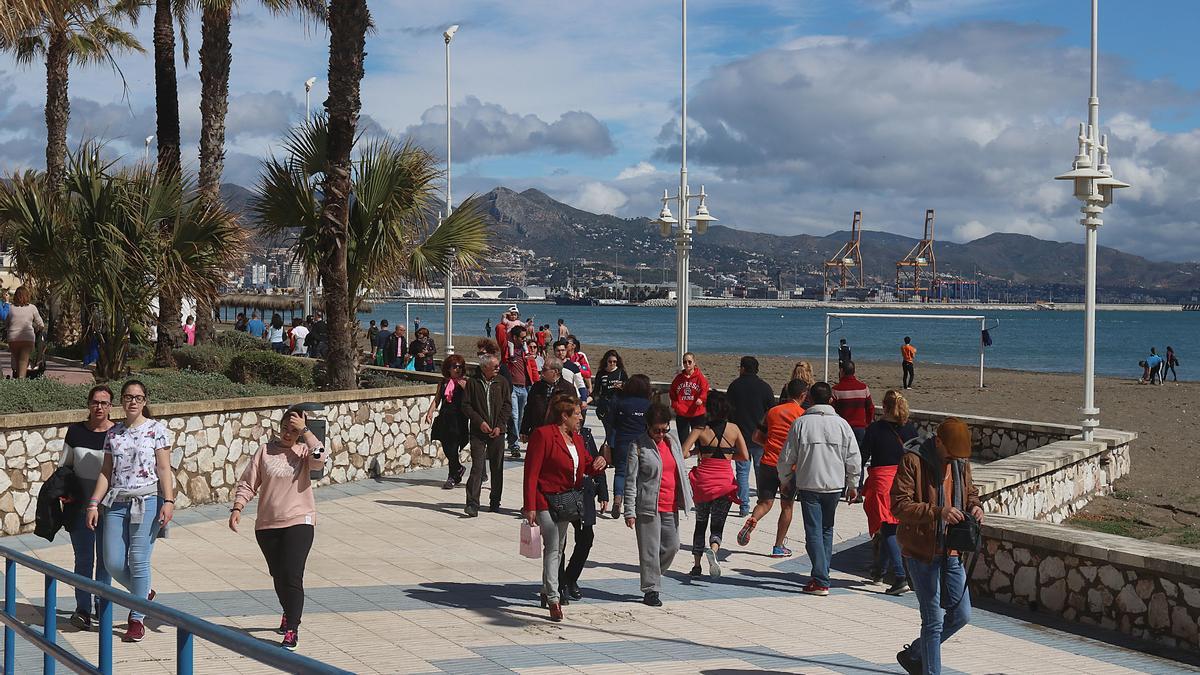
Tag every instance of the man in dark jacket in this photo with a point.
(540, 393)
(933, 489)
(749, 400)
(318, 336)
(487, 403)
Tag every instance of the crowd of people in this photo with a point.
(306, 336)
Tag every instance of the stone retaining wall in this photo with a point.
(1053, 482)
(213, 440)
(995, 438)
(1146, 590)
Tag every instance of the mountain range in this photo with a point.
(533, 221)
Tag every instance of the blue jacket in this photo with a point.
(628, 417)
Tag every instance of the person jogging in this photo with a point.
(908, 353)
(771, 434)
(279, 474)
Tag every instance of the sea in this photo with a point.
(1034, 340)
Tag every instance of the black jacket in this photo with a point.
(540, 394)
(52, 513)
(594, 489)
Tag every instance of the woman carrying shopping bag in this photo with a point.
(555, 465)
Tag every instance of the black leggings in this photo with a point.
(286, 550)
(569, 572)
(718, 511)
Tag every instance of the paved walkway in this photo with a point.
(400, 582)
(63, 370)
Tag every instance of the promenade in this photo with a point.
(399, 582)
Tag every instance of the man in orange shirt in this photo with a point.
(907, 353)
(772, 433)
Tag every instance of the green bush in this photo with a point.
(241, 342)
(203, 358)
(270, 368)
(42, 394)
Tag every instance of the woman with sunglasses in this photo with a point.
(609, 382)
(450, 427)
(656, 488)
(136, 487)
(83, 451)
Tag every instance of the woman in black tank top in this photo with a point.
(714, 486)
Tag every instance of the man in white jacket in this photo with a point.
(820, 460)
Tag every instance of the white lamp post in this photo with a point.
(308, 85)
(146, 153)
(1093, 185)
(448, 36)
(683, 230)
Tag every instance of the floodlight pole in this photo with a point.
(448, 35)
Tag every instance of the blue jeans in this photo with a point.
(743, 474)
(817, 509)
(937, 624)
(620, 457)
(89, 562)
(889, 552)
(520, 395)
(127, 547)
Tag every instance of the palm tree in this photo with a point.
(107, 244)
(348, 24)
(393, 187)
(216, 56)
(70, 31)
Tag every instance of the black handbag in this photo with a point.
(565, 507)
(964, 536)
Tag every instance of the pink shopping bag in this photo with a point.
(531, 540)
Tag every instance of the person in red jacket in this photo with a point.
(556, 462)
(689, 391)
(852, 401)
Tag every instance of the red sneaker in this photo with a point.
(282, 625)
(556, 613)
(813, 588)
(743, 537)
(136, 631)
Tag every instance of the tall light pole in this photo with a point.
(1093, 185)
(146, 152)
(683, 230)
(308, 85)
(448, 36)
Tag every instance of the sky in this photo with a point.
(799, 111)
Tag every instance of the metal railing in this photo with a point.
(187, 627)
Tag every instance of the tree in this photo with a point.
(69, 31)
(393, 187)
(348, 24)
(216, 57)
(102, 240)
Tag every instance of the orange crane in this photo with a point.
(840, 269)
(916, 274)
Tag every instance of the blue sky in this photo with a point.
(802, 111)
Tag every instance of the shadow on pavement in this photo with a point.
(444, 507)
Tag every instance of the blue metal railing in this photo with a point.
(187, 627)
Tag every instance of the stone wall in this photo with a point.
(1142, 589)
(1053, 482)
(995, 438)
(213, 441)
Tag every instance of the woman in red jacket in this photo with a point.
(689, 391)
(555, 464)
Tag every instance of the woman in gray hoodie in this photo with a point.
(656, 488)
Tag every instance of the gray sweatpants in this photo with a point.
(658, 542)
(554, 542)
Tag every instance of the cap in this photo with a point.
(955, 436)
(513, 308)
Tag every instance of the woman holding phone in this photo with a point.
(136, 487)
(287, 512)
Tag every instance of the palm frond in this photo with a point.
(465, 232)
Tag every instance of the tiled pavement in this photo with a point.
(399, 582)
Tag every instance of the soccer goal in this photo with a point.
(830, 316)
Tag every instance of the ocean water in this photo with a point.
(1050, 341)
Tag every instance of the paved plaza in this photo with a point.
(400, 582)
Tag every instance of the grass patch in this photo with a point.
(1124, 527)
(1188, 536)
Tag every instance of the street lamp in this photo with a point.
(448, 35)
(308, 85)
(146, 151)
(683, 231)
(1093, 185)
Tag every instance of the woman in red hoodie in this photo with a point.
(689, 391)
(555, 464)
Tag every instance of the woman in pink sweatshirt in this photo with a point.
(279, 474)
(689, 391)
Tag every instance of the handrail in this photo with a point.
(186, 625)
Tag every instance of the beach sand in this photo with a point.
(1160, 500)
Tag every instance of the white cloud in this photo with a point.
(597, 197)
(637, 171)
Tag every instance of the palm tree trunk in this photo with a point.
(216, 53)
(58, 108)
(166, 104)
(348, 22)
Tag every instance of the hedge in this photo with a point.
(270, 368)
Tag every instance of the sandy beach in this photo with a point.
(1163, 490)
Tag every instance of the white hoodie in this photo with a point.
(823, 450)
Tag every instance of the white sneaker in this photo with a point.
(714, 567)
